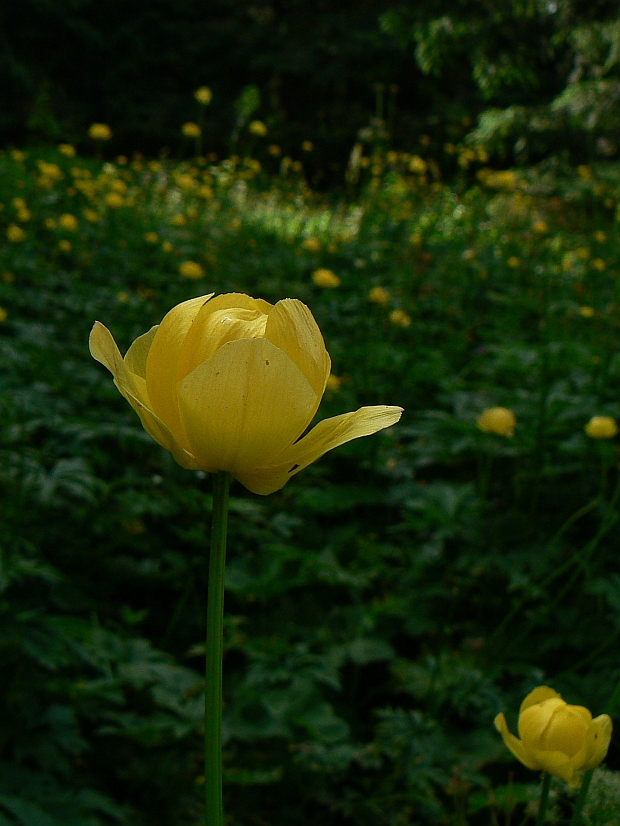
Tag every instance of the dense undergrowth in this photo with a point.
(393, 597)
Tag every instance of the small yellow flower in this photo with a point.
(274, 150)
(122, 297)
(498, 420)
(231, 384)
(325, 278)
(333, 383)
(24, 214)
(49, 223)
(100, 132)
(65, 246)
(191, 130)
(50, 171)
(191, 269)
(178, 220)
(203, 95)
(587, 312)
(118, 186)
(400, 318)
(600, 236)
(601, 427)
(307, 146)
(67, 150)
(312, 244)
(415, 239)
(8, 277)
(15, 234)
(417, 165)
(583, 253)
(3, 314)
(91, 216)
(17, 156)
(68, 222)
(585, 172)
(151, 237)
(258, 128)
(540, 227)
(167, 246)
(557, 737)
(379, 295)
(114, 200)
(468, 255)
(185, 181)
(514, 262)
(598, 264)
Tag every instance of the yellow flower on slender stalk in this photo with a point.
(191, 269)
(100, 132)
(498, 420)
(231, 384)
(325, 278)
(203, 95)
(601, 427)
(258, 128)
(191, 130)
(557, 737)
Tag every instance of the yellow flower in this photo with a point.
(468, 255)
(417, 165)
(17, 155)
(68, 222)
(274, 150)
(50, 171)
(231, 384)
(100, 132)
(178, 220)
(333, 383)
(114, 200)
(601, 427)
(540, 226)
(325, 278)
(498, 420)
(379, 295)
(167, 246)
(49, 223)
(118, 186)
(257, 127)
(24, 214)
(3, 314)
(15, 233)
(91, 216)
(556, 737)
(65, 246)
(312, 244)
(587, 312)
(190, 269)
(203, 95)
(600, 236)
(191, 130)
(598, 264)
(514, 262)
(400, 318)
(67, 150)
(151, 237)
(307, 146)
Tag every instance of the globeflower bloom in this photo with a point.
(191, 269)
(231, 384)
(556, 737)
(325, 278)
(203, 95)
(498, 420)
(601, 427)
(100, 132)
(191, 130)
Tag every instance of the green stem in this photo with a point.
(583, 791)
(544, 797)
(214, 811)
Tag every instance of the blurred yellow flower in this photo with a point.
(178, 220)
(23, 214)
(50, 171)
(400, 318)
(15, 234)
(185, 181)
(274, 150)
(151, 237)
(205, 192)
(587, 312)
(167, 246)
(307, 146)
(191, 269)
(333, 383)
(498, 420)
(64, 245)
(91, 216)
(379, 295)
(231, 384)
(600, 236)
(203, 95)
(541, 227)
(17, 155)
(114, 200)
(312, 244)
(191, 130)
(468, 255)
(325, 278)
(514, 262)
(583, 253)
(557, 737)
(585, 172)
(49, 223)
(257, 127)
(118, 186)
(417, 165)
(122, 297)
(67, 150)
(3, 314)
(68, 222)
(598, 264)
(601, 427)
(100, 132)
(8, 277)
(416, 239)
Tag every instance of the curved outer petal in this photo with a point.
(597, 741)
(328, 434)
(539, 695)
(226, 318)
(292, 327)
(133, 387)
(523, 754)
(534, 720)
(558, 764)
(566, 731)
(135, 357)
(244, 406)
(162, 360)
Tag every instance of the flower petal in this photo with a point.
(162, 360)
(244, 406)
(538, 695)
(597, 741)
(534, 720)
(558, 764)
(135, 357)
(292, 327)
(328, 434)
(515, 745)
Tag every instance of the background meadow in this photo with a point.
(387, 603)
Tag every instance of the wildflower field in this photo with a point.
(395, 596)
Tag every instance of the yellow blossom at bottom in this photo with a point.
(498, 420)
(325, 278)
(557, 737)
(601, 427)
(191, 269)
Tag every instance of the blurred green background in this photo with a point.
(404, 589)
